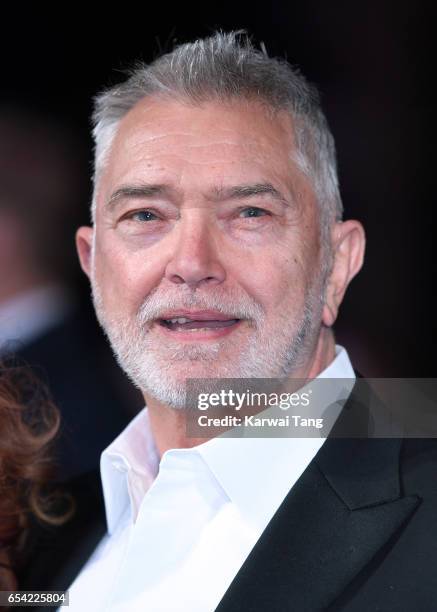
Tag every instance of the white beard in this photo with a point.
(160, 368)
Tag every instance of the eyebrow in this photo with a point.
(248, 191)
(135, 191)
(217, 194)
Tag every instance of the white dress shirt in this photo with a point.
(180, 529)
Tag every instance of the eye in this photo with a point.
(143, 215)
(253, 212)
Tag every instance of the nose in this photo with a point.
(195, 259)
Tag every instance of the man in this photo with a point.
(218, 250)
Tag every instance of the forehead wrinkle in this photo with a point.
(136, 143)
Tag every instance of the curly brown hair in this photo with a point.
(29, 423)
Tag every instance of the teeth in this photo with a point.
(179, 320)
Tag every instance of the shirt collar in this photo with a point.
(134, 451)
(243, 467)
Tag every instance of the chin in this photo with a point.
(194, 368)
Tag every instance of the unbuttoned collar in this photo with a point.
(132, 452)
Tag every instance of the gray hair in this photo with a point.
(227, 66)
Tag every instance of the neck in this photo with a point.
(169, 425)
(320, 358)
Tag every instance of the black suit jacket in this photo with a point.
(357, 532)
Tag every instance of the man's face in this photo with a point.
(203, 216)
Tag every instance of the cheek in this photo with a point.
(124, 278)
(275, 280)
(291, 283)
(287, 271)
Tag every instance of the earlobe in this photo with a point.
(329, 315)
(348, 240)
(84, 243)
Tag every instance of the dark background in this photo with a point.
(373, 64)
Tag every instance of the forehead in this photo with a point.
(208, 144)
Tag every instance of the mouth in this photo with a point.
(197, 325)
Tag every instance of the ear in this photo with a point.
(348, 244)
(84, 243)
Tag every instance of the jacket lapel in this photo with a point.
(345, 507)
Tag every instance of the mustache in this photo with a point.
(236, 307)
